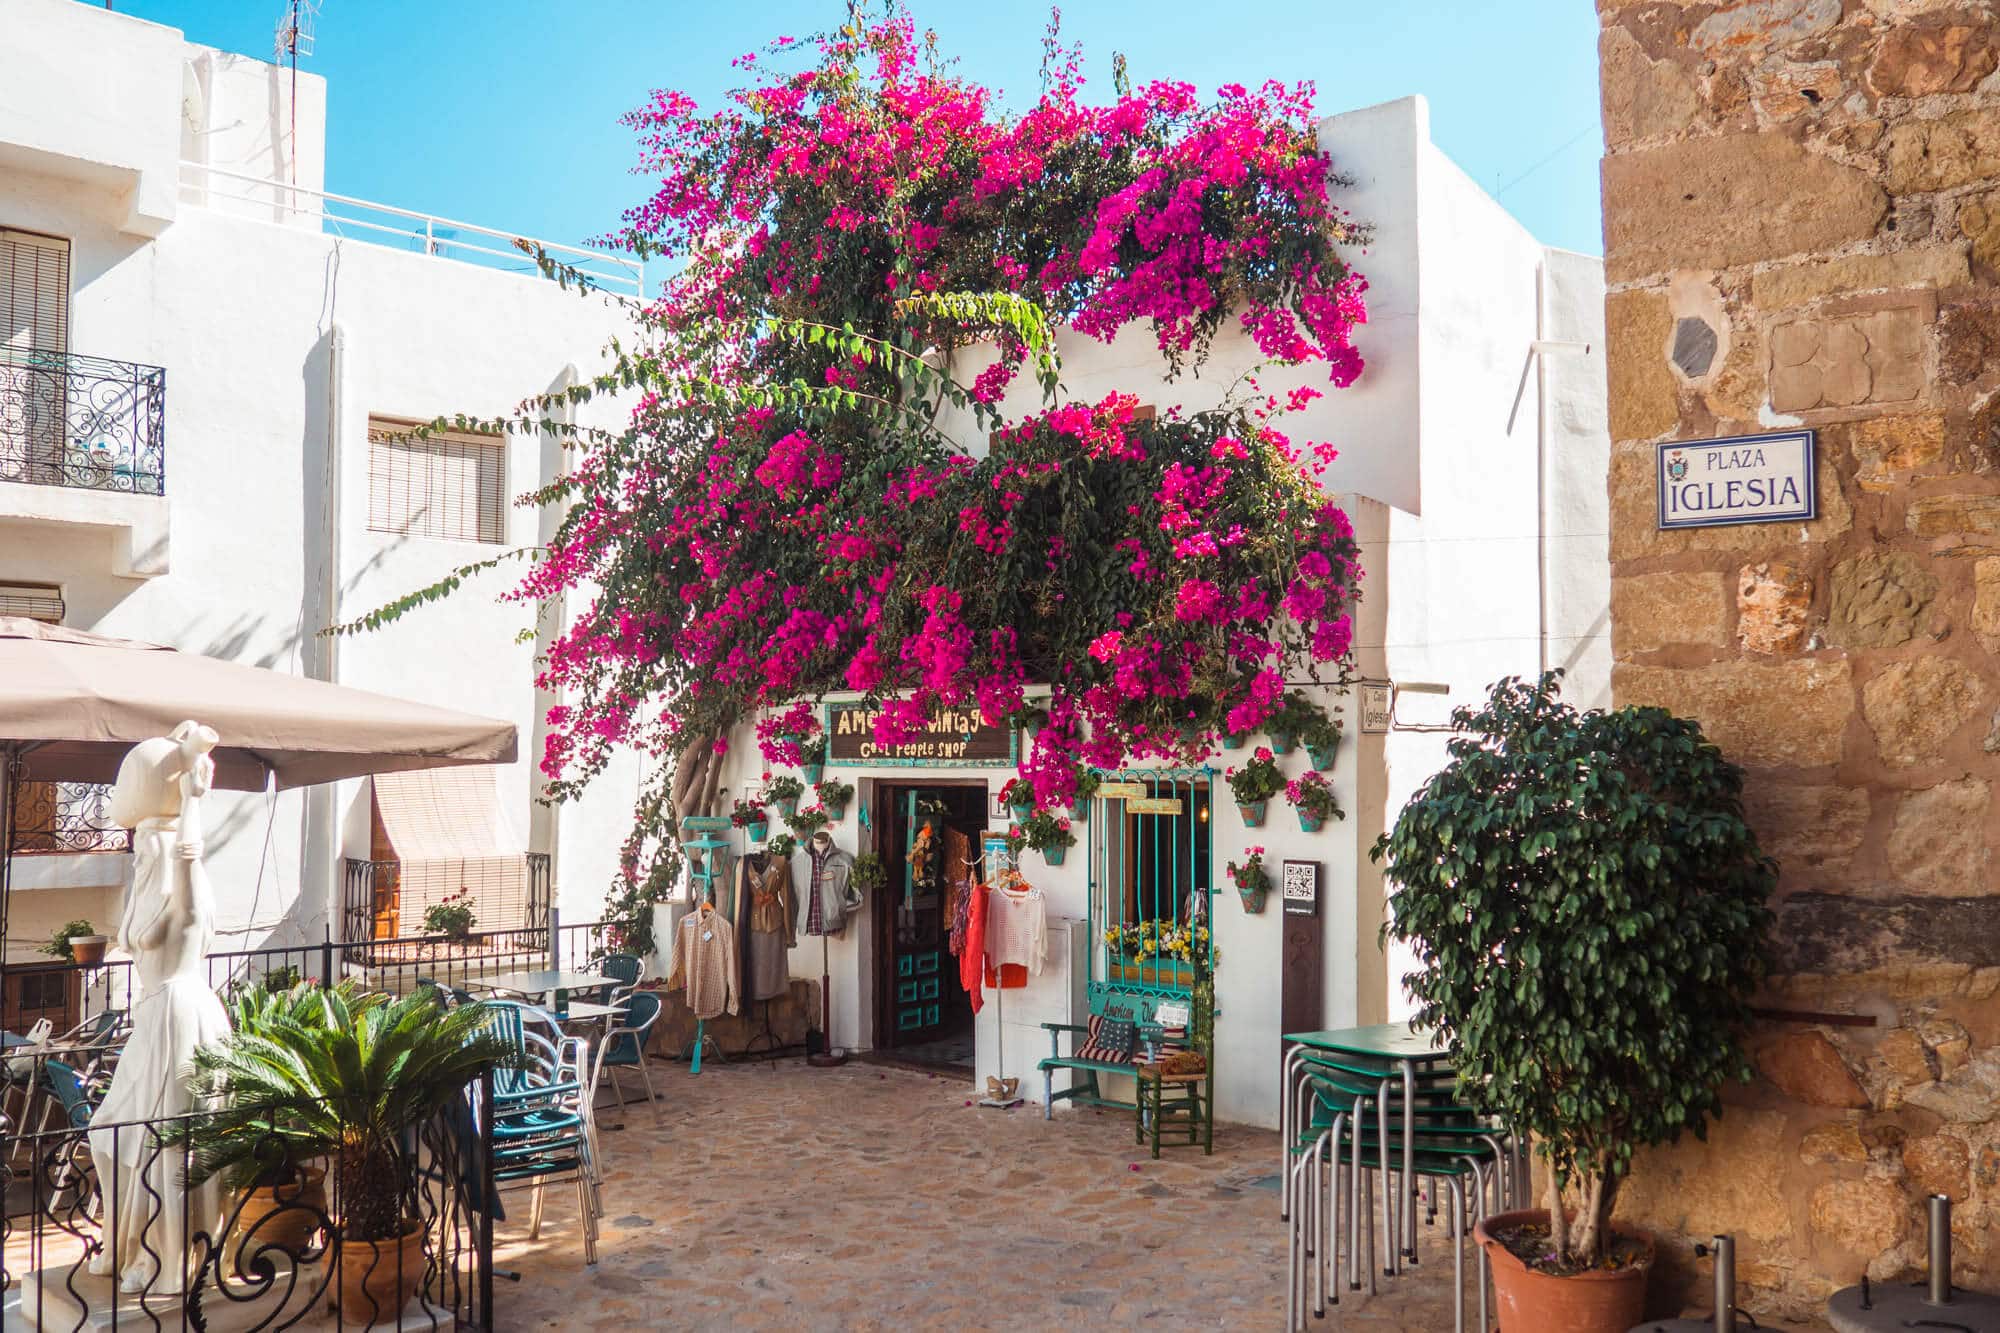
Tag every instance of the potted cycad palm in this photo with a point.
(342, 1074)
(1587, 909)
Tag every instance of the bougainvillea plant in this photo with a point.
(811, 498)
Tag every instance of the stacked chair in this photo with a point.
(542, 1133)
(1347, 1169)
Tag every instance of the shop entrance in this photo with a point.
(929, 832)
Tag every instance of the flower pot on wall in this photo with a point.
(1054, 855)
(1309, 822)
(1253, 899)
(812, 773)
(1234, 740)
(755, 832)
(788, 806)
(835, 810)
(1252, 812)
(1322, 755)
(1281, 742)
(1080, 812)
(1600, 1301)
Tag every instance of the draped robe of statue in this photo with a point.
(167, 927)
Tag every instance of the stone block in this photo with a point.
(1751, 25)
(1939, 1164)
(1848, 275)
(1878, 601)
(1806, 826)
(1735, 1181)
(1637, 325)
(1950, 1044)
(1806, 1067)
(1650, 611)
(1838, 1141)
(1906, 1058)
(1763, 714)
(1844, 361)
(1643, 98)
(1773, 607)
(1968, 342)
(1979, 220)
(1969, 1097)
(1960, 148)
(1886, 449)
(1783, 90)
(1719, 201)
(1863, 1217)
(1915, 706)
(1986, 602)
(1914, 948)
(1954, 515)
(1938, 843)
(1921, 60)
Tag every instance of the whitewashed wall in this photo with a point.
(278, 342)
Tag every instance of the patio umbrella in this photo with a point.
(72, 703)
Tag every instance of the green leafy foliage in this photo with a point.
(1588, 909)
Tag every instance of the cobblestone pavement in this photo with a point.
(862, 1197)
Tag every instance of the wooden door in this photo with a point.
(916, 1009)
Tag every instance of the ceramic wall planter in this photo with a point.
(1322, 755)
(755, 832)
(788, 806)
(1252, 812)
(835, 810)
(1253, 899)
(1080, 813)
(1054, 855)
(811, 773)
(1281, 742)
(1309, 822)
(1235, 740)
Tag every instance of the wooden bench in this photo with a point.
(1084, 1089)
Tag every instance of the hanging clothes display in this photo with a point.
(705, 962)
(958, 888)
(830, 896)
(972, 959)
(1016, 929)
(764, 914)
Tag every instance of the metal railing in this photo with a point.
(82, 421)
(402, 228)
(371, 897)
(66, 817)
(264, 1258)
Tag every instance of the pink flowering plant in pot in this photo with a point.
(1312, 797)
(751, 817)
(784, 792)
(1252, 881)
(1048, 834)
(1254, 784)
(849, 467)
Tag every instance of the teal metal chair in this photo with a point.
(624, 1047)
(542, 1133)
(626, 969)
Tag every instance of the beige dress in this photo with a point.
(765, 914)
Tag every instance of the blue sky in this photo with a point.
(506, 113)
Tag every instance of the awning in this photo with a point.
(448, 833)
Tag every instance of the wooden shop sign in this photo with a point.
(1740, 479)
(954, 738)
(1154, 805)
(1123, 791)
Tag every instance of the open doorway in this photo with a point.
(929, 832)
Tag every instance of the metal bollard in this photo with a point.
(1725, 1284)
(1940, 1250)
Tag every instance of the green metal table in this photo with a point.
(1399, 1045)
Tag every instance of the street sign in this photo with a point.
(1739, 479)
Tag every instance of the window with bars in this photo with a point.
(34, 291)
(450, 484)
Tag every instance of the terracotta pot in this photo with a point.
(378, 1279)
(88, 950)
(1595, 1302)
(294, 1211)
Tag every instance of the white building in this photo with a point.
(200, 357)
(1474, 475)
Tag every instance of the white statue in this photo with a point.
(167, 927)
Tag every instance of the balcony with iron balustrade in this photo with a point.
(83, 446)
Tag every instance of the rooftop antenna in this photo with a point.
(295, 39)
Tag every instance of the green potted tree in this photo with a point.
(342, 1074)
(1253, 786)
(1587, 909)
(784, 792)
(1048, 834)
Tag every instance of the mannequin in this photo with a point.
(167, 927)
(830, 896)
(764, 923)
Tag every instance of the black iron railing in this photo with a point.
(371, 904)
(264, 1258)
(82, 421)
(66, 817)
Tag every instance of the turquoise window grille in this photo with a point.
(1151, 861)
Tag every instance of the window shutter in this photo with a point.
(34, 291)
(452, 484)
(36, 601)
